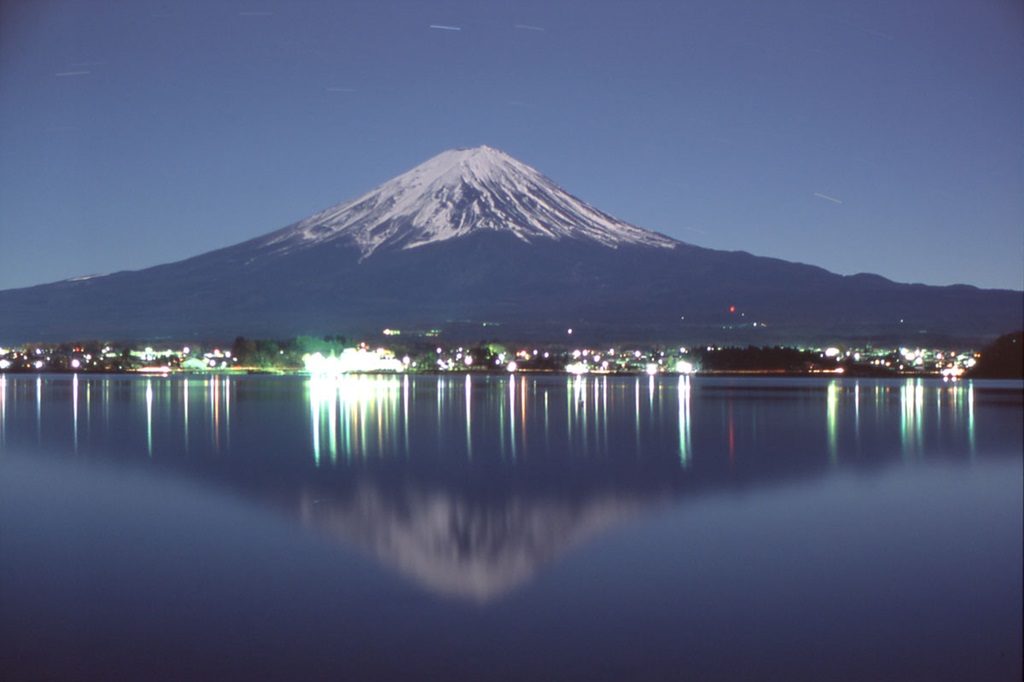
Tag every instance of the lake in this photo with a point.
(509, 527)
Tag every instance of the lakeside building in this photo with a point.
(93, 357)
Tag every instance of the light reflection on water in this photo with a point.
(3, 408)
(628, 520)
(634, 441)
(361, 417)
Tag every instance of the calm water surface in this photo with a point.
(509, 528)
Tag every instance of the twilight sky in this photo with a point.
(880, 136)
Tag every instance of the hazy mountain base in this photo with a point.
(527, 291)
(473, 236)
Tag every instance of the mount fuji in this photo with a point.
(473, 237)
(456, 194)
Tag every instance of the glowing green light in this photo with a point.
(832, 405)
(149, 416)
(184, 401)
(314, 419)
(970, 417)
(685, 445)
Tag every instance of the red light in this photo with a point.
(732, 309)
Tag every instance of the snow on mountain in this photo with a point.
(455, 193)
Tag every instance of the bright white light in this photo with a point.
(652, 368)
(5, 363)
(352, 360)
(570, 330)
(684, 367)
(512, 366)
(468, 360)
(831, 352)
(577, 368)
(75, 364)
(39, 364)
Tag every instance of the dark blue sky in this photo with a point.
(873, 135)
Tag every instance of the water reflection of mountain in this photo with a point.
(469, 485)
(473, 496)
(465, 546)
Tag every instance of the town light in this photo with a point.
(352, 360)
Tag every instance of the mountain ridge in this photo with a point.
(473, 236)
(455, 193)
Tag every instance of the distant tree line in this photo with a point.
(758, 359)
(284, 353)
(1002, 359)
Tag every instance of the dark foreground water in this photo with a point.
(509, 528)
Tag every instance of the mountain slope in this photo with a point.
(454, 194)
(473, 236)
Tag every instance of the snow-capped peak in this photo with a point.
(457, 192)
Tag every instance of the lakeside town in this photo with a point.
(338, 355)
